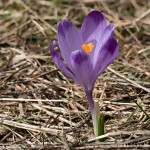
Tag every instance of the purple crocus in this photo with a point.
(86, 53)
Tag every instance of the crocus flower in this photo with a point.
(86, 53)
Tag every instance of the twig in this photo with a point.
(129, 80)
(145, 132)
(53, 115)
(113, 146)
(142, 16)
(36, 15)
(79, 125)
(137, 140)
(33, 100)
(67, 146)
(30, 127)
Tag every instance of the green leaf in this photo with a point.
(101, 126)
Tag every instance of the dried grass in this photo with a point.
(41, 109)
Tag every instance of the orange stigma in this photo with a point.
(88, 47)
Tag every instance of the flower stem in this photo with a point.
(97, 118)
(90, 100)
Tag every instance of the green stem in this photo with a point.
(97, 118)
(98, 121)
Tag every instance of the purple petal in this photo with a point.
(93, 26)
(102, 40)
(82, 68)
(108, 53)
(59, 62)
(69, 39)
